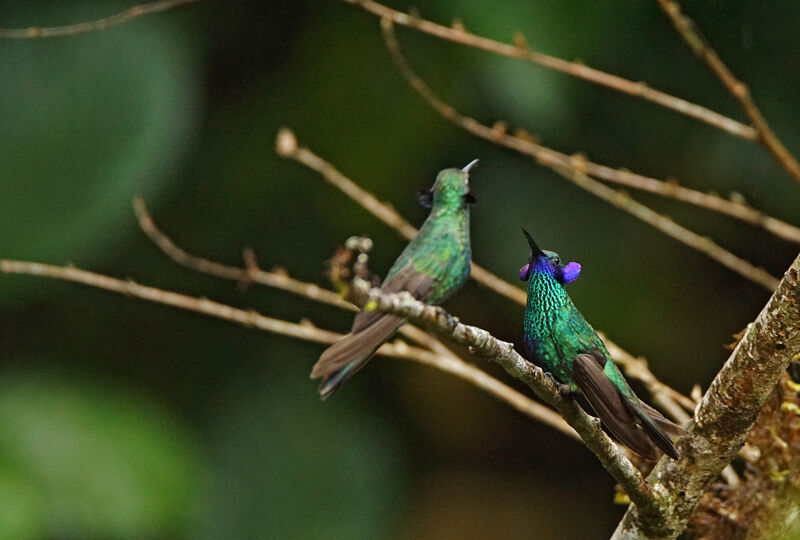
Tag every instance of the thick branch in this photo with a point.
(737, 88)
(725, 415)
(484, 344)
(522, 52)
(574, 169)
(36, 32)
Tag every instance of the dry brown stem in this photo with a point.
(286, 145)
(575, 169)
(739, 90)
(523, 52)
(37, 32)
(306, 331)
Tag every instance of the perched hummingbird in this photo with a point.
(432, 267)
(558, 338)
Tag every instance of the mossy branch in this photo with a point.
(725, 415)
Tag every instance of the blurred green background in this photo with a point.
(121, 419)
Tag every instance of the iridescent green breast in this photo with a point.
(441, 250)
(554, 330)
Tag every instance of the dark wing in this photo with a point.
(609, 404)
(370, 330)
(669, 427)
(405, 279)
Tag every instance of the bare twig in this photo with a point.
(739, 90)
(250, 274)
(305, 331)
(36, 32)
(484, 344)
(444, 360)
(543, 154)
(522, 52)
(205, 306)
(573, 168)
(725, 415)
(417, 312)
(286, 145)
(664, 224)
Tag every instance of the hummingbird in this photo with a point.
(558, 339)
(432, 267)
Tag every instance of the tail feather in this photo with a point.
(667, 426)
(610, 406)
(633, 426)
(344, 358)
(655, 426)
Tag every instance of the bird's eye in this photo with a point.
(556, 261)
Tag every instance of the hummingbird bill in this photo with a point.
(559, 339)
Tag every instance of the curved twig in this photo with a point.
(739, 90)
(286, 145)
(484, 344)
(305, 331)
(669, 189)
(573, 168)
(522, 52)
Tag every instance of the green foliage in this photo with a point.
(288, 466)
(85, 460)
(87, 123)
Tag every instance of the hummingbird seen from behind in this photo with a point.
(432, 267)
(560, 341)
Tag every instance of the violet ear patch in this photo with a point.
(524, 271)
(571, 272)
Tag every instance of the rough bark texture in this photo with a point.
(725, 416)
(762, 506)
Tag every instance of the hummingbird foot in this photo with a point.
(564, 391)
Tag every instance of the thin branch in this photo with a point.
(304, 331)
(669, 189)
(703, 244)
(739, 90)
(573, 169)
(250, 274)
(522, 52)
(725, 415)
(670, 400)
(445, 359)
(672, 190)
(483, 344)
(205, 306)
(36, 32)
(480, 340)
(286, 145)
